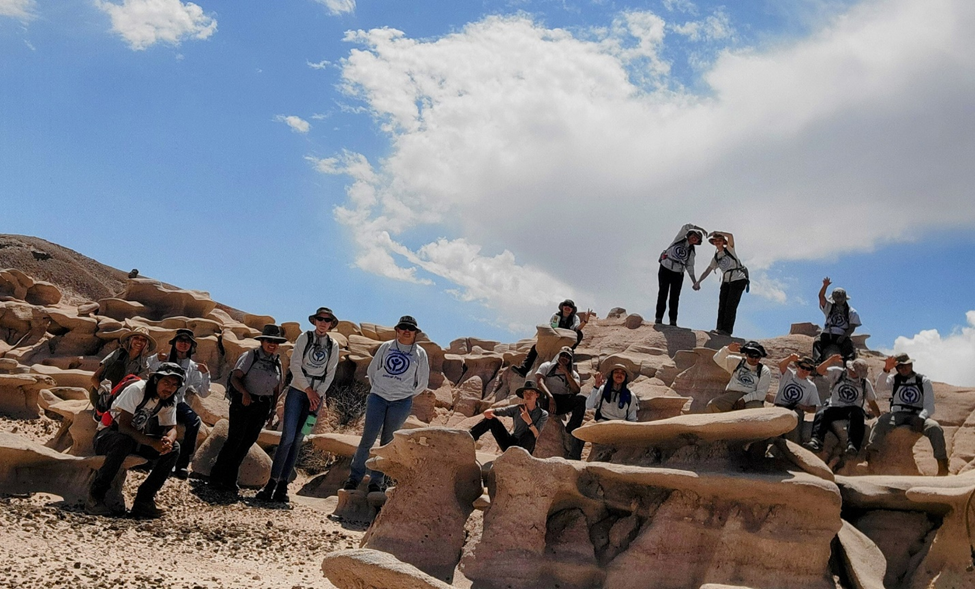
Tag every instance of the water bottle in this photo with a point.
(309, 424)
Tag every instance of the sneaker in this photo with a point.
(350, 484)
(95, 506)
(281, 494)
(851, 450)
(814, 445)
(181, 473)
(267, 493)
(146, 509)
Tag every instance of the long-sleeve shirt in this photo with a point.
(398, 371)
(316, 367)
(915, 394)
(679, 255)
(556, 318)
(538, 416)
(611, 409)
(200, 381)
(744, 378)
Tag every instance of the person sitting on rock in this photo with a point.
(399, 371)
(674, 261)
(797, 392)
(559, 382)
(142, 421)
(131, 357)
(255, 385)
(841, 321)
(750, 379)
(566, 318)
(313, 362)
(613, 399)
(911, 404)
(849, 389)
(197, 381)
(529, 419)
(734, 280)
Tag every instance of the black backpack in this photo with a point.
(744, 270)
(328, 353)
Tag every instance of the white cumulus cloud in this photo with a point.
(23, 10)
(949, 358)
(568, 160)
(297, 124)
(143, 23)
(337, 7)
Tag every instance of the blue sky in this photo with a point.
(474, 163)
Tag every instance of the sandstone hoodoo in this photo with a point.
(678, 498)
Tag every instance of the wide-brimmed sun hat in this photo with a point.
(528, 386)
(324, 312)
(140, 330)
(272, 333)
(407, 321)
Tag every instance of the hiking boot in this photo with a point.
(267, 493)
(350, 484)
(281, 493)
(95, 506)
(851, 451)
(814, 445)
(181, 473)
(375, 488)
(146, 509)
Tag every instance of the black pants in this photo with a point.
(728, 299)
(825, 418)
(669, 282)
(115, 447)
(245, 428)
(191, 424)
(576, 405)
(533, 354)
(825, 340)
(502, 436)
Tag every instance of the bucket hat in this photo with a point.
(272, 333)
(324, 311)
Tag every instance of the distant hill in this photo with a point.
(79, 277)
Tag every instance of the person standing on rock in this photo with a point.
(131, 357)
(141, 421)
(674, 261)
(850, 388)
(559, 382)
(734, 280)
(612, 399)
(399, 371)
(197, 381)
(566, 318)
(797, 392)
(255, 385)
(529, 419)
(841, 321)
(911, 404)
(750, 379)
(313, 363)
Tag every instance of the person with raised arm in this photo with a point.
(841, 321)
(796, 392)
(674, 261)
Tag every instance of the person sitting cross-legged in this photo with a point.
(849, 390)
(529, 419)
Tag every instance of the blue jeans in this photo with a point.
(296, 411)
(387, 416)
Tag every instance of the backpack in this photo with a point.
(231, 389)
(309, 337)
(744, 270)
(107, 398)
(900, 381)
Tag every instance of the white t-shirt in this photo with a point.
(744, 378)
(795, 391)
(130, 398)
(846, 391)
(557, 384)
(837, 322)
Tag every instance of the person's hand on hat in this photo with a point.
(835, 359)
(203, 368)
(793, 357)
(734, 347)
(889, 363)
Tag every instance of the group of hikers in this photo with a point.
(140, 417)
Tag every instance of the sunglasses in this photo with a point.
(752, 355)
(406, 328)
(320, 319)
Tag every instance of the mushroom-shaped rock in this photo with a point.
(121, 309)
(810, 329)
(254, 471)
(702, 379)
(372, 569)
(804, 459)
(77, 433)
(950, 558)
(896, 455)
(164, 301)
(43, 293)
(20, 394)
(865, 564)
(552, 339)
(64, 378)
(438, 480)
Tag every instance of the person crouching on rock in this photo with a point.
(255, 385)
(197, 381)
(399, 371)
(911, 404)
(142, 421)
(559, 381)
(313, 363)
(849, 389)
(750, 379)
(796, 392)
(529, 419)
(612, 399)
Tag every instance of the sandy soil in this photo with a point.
(199, 543)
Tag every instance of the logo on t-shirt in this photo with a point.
(396, 362)
(318, 355)
(837, 319)
(909, 395)
(847, 393)
(679, 253)
(792, 393)
(141, 418)
(746, 378)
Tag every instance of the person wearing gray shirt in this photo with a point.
(529, 419)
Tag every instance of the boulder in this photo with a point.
(373, 569)
(863, 561)
(633, 321)
(255, 471)
(437, 481)
(78, 428)
(65, 378)
(163, 301)
(121, 309)
(467, 397)
(810, 329)
(20, 394)
(702, 379)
